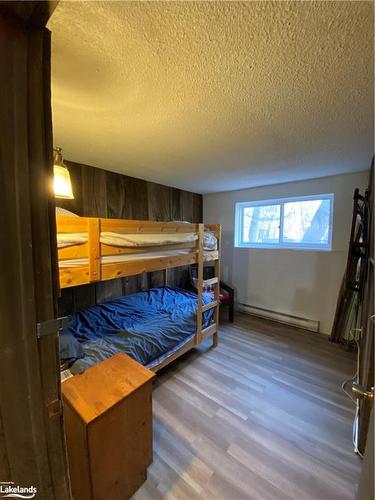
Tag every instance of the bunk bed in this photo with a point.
(155, 326)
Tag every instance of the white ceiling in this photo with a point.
(215, 96)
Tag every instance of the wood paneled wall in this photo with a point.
(100, 193)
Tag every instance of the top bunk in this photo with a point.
(92, 249)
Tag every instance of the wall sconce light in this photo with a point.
(61, 183)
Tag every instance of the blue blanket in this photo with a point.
(146, 326)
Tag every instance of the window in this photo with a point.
(301, 223)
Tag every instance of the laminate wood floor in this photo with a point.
(262, 416)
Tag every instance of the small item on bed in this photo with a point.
(205, 288)
(209, 241)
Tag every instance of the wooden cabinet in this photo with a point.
(108, 426)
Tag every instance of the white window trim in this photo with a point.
(239, 206)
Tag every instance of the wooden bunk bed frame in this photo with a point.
(93, 270)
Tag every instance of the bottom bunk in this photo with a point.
(153, 327)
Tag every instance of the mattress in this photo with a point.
(65, 240)
(148, 326)
(137, 240)
(146, 240)
(110, 259)
(67, 373)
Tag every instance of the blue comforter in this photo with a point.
(146, 326)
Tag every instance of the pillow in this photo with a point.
(63, 211)
(209, 241)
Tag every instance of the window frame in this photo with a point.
(238, 223)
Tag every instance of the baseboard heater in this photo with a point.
(305, 323)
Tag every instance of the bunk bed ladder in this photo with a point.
(217, 287)
(94, 249)
(198, 334)
(214, 327)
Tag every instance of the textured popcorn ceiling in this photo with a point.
(212, 96)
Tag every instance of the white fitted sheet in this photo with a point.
(127, 240)
(146, 240)
(71, 239)
(137, 240)
(109, 259)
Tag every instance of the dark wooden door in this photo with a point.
(32, 445)
(366, 362)
(366, 481)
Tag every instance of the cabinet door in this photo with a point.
(120, 446)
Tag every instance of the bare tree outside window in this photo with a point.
(261, 224)
(306, 221)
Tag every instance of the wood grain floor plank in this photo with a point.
(262, 416)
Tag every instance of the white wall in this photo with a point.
(297, 282)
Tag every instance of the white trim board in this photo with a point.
(305, 323)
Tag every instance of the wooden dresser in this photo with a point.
(108, 426)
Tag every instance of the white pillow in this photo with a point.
(63, 211)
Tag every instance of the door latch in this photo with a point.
(51, 326)
(361, 392)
